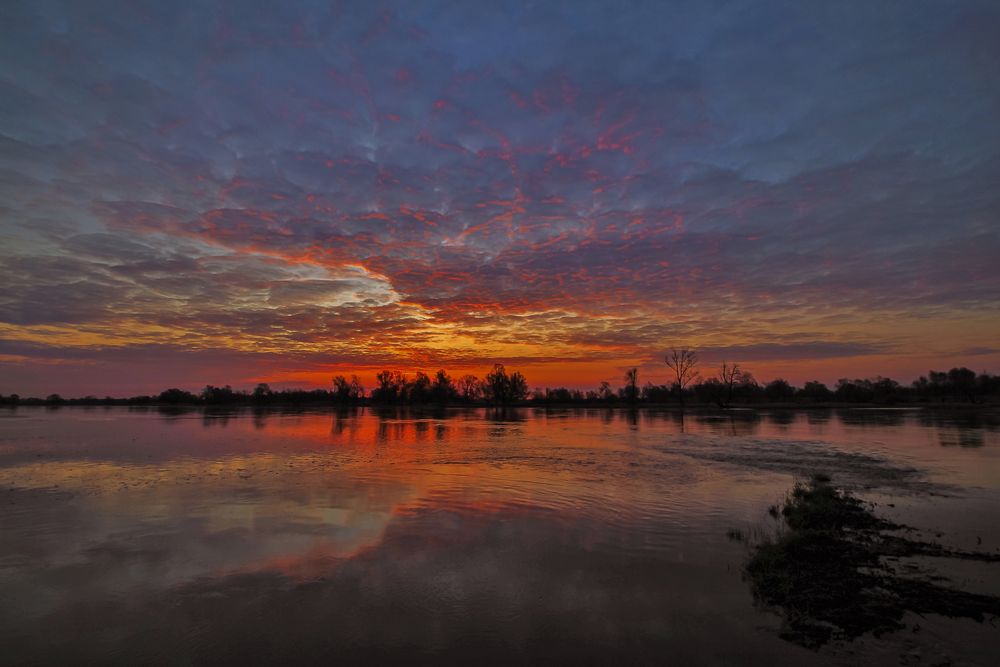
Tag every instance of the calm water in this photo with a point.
(577, 536)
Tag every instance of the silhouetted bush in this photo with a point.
(501, 388)
(347, 391)
(176, 396)
(779, 390)
(815, 391)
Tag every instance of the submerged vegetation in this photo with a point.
(831, 571)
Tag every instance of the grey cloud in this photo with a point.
(745, 159)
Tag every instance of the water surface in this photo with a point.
(581, 536)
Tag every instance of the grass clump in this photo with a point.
(825, 575)
(819, 506)
(736, 535)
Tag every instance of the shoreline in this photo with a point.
(699, 408)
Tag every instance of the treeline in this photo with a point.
(724, 386)
(392, 387)
(733, 385)
(210, 395)
(498, 387)
(878, 390)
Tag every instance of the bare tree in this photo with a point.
(730, 376)
(631, 392)
(684, 365)
(347, 391)
(604, 392)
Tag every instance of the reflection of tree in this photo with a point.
(962, 437)
(259, 418)
(732, 423)
(172, 412)
(345, 418)
(782, 417)
(872, 417)
(216, 417)
(505, 414)
(973, 419)
(818, 417)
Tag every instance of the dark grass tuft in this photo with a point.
(736, 535)
(824, 574)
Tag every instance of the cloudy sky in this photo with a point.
(263, 191)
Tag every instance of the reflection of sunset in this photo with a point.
(456, 513)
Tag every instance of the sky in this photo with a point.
(243, 192)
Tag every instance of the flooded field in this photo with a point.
(476, 536)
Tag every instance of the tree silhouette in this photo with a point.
(963, 383)
(347, 391)
(684, 364)
(631, 389)
(470, 388)
(853, 391)
(815, 390)
(357, 389)
(418, 390)
(261, 392)
(730, 384)
(502, 388)
(213, 395)
(604, 392)
(730, 375)
(390, 386)
(779, 390)
(443, 389)
(176, 396)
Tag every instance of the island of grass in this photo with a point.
(827, 572)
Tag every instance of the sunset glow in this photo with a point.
(281, 192)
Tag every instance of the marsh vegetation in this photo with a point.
(833, 571)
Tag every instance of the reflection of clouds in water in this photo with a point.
(411, 528)
(450, 578)
(134, 527)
